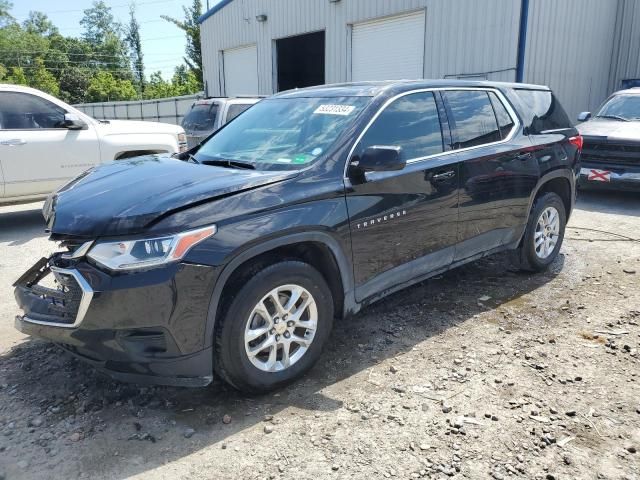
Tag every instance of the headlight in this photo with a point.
(147, 252)
(182, 138)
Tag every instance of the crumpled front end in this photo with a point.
(144, 327)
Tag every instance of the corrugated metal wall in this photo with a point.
(462, 36)
(625, 64)
(580, 48)
(569, 48)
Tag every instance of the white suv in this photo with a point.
(44, 142)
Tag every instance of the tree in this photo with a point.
(191, 27)
(105, 87)
(74, 83)
(98, 23)
(135, 45)
(39, 23)
(42, 79)
(17, 76)
(184, 81)
(5, 16)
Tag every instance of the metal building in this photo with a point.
(583, 49)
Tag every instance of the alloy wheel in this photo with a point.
(547, 232)
(281, 328)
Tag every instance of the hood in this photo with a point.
(119, 127)
(124, 197)
(613, 129)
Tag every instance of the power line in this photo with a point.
(52, 50)
(111, 6)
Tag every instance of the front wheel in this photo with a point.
(273, 329)
(544, 233)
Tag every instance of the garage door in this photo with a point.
(388, 49)
(241, 71)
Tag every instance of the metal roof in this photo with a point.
(216, 8)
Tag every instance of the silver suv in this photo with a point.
(209, 114)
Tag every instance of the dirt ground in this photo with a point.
(478, 373)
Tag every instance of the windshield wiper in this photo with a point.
(614, 117)
(230, 164)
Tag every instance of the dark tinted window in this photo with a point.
(201, 117)
(236, 109)
(411, 122)
(543, 111)
(23, 111)
(473, 120)
(505, 122)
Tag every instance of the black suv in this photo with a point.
(309, 206)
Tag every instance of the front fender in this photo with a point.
(325, 238)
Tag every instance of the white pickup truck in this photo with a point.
(44, 142)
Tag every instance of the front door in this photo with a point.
(403, 223)
(37, 154)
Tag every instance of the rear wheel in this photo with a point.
(273, 329)
(544, 233)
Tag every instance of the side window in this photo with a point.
(411, 122)
(236, 109)
(505, 122)
(472, 118)
(23, 111)
(543, 110)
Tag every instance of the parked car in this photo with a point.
(611, 156)
(309, 206)
(209, 114)
(44, 142)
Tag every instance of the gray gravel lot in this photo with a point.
(540, 380)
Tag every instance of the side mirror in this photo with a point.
(380, 158)
(73, 122)
(584, 116)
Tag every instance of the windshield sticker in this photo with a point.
(302, 158)
(283, 160)
(316, 151)
(343, 110)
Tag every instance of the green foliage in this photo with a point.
(105, 63)
(42, 79)
(191, 27)
(74, 83)
(16, 76)
(105, 87)
(5, 15)
(135, 44)
(39, 23)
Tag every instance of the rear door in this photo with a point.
(497, 170)
(37, 154)
(404, 223)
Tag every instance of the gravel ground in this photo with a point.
(478, 373)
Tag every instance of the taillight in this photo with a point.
(578, 141)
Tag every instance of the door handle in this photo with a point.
(14, 142)
(524, 156)
(444, 175)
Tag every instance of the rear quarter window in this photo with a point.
(236, 109)
(542, 111)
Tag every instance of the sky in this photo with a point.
(163, 43)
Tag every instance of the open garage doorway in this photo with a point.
(300, 61)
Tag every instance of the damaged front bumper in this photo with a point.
(143, 327)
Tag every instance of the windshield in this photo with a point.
(622, 106)
(201, 117)
(283, 133)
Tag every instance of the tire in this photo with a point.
(255, 374)
(528, 256)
